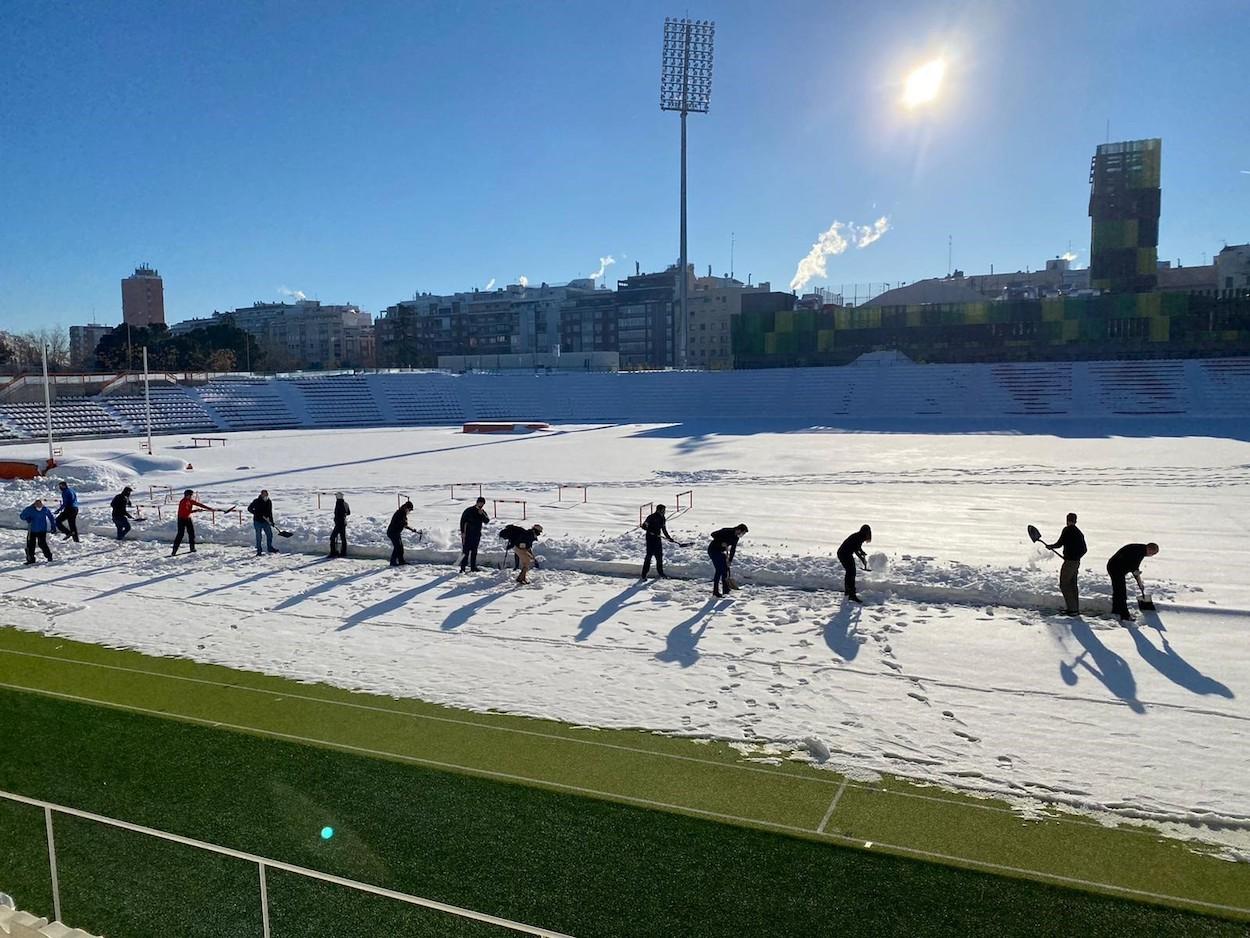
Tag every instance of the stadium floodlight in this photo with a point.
(685, 86)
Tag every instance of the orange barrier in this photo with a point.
(19, 470)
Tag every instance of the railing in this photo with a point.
(262, 865)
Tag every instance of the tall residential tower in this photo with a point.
(143, 298)
(1124, 212)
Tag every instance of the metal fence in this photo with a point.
(262, 864)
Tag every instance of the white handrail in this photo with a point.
(264, 863)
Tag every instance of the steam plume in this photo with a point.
(838, 237)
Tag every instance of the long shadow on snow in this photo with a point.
(287, 473)
(76, 575)
(702, 433)
(839, 631)
(252, 579)
(139, 584)
(390, 604)
(326, 586)
(1171, 665)
(682, 643)
(1108, 667)
(605, 612)
(458, 617)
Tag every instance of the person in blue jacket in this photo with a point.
(67, 517)
(39, 521)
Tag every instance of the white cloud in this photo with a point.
(293, 294)
(1069, 256)
(835, 240)
(604, 264)
(523, 280)
(490, 284)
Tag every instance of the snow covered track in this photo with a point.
(955, 672)
(917, 690)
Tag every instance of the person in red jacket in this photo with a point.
(186, 507)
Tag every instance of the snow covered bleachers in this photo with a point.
(1140, 387)
(521, 397)
(419, 398)
(248, 404)
(76, 417)
(884, 388)
(1225, 383)
(174, 410)
(1036, 389)
(341, 401)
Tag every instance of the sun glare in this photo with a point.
(924, 83)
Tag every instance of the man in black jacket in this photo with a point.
(722, 550)
(395, 531)
(261, 511)
(521, 542)
(338, 534)
(121, 511)
(656, 526)
(1124, 561)
(852, 548)
(1073, 543)
(471, 521)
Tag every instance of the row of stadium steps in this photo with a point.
(414, 399)
(79, 417)
(1224, 384)
(247, 404)
(342, 401)
(1041, 389)
(518, 397)
(174, 410)
(1138, 388)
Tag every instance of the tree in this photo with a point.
(205, 349)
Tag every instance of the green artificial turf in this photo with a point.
(584, 866)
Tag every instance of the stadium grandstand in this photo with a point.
(877, 386)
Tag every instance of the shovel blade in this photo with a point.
(1034, 534)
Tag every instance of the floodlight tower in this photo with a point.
(685, 86)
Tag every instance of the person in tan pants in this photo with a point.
(1073, 543)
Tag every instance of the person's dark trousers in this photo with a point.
(397, 550)
(848, 581)
(468, 554)
(340, 534)
(67, 522)
(123, 526)
(655, 548)
(39, 538)
(1119, 594)
(185, 527)
(721, 563)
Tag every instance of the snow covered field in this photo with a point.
(955, 672)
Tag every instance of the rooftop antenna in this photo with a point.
(1108, 130)
(731, 255)
(950, 242)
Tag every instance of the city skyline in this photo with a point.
(253, 154)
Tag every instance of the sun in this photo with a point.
(924, 83)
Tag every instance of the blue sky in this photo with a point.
(364, 152)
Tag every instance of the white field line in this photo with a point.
(645, 802)
(844, 782)
(832, 806)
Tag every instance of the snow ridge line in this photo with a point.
(908, 591)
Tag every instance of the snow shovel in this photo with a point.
(1145, 603)
(1036, 536)
(284, 533)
